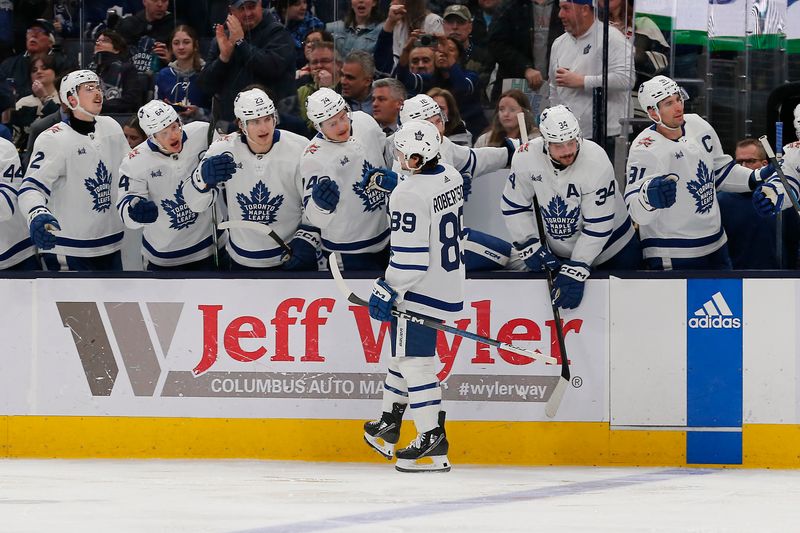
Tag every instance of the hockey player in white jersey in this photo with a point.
(426, 274)
(352, 220)
(482, 251)
(151, 191)
(587, 226)
(258, 168)
(769, 198)
(674, 170)
(70, 186)
(16, 250)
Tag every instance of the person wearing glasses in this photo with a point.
(70, 187)
(324, 63)
(752, 240)
(15, 71)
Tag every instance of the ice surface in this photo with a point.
(260, 496)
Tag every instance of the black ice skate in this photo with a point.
(428, 452)
(383, 434)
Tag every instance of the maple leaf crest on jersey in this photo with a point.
(702, 189)
(100, 188)
(180, 215)
(372, 200)
(259, 207)
(561, 222)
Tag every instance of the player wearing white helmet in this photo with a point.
(351, 218)
(674, 170)
(16, 249)
(426, 274)
(152, 191)
(71, 183)
(585, 221)
(483, 251)
(258, 168)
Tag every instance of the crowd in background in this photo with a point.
(482, 61)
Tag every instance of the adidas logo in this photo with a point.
(715, 314)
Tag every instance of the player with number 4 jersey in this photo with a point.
(584, 216)
(151, 191)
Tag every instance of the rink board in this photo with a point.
(278, 369)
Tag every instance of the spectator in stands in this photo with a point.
(482, 16)
(303, 74)
(325, 64)
(521, 38)
(454, 128)
(296, 17)
(505, 124)
(388, 95)
(123, 89)
(147, 34)
(752, 240)
(359, 29)
(43, 100)
(358, 71)
(15, 71)
(133, 132)
(250, 48)
(177, 83)
(447, 74)
(576, 69)
(458, 26)
(406, 16)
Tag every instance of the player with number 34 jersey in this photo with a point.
(583, 212)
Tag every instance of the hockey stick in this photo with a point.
(429, 321)
(259, 227)
(558, 394)
(212, 125)
(772, 159)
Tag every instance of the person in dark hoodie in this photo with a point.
(123, 91)
(250, 48)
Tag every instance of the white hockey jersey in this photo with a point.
(692, 226)
(583, 213)
(76, 176)
(426, 266)
(359, 223)
(178, 235)
(265, 188)
(15, 244)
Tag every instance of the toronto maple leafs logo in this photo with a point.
(702, 189)
(180, 216)
(373, 199)
(100, 188)
(419, 135)
(344, 161)
(561, 222)
(260, 206)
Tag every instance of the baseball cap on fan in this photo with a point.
(589, 3)
(240, 3)
(458, 10)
